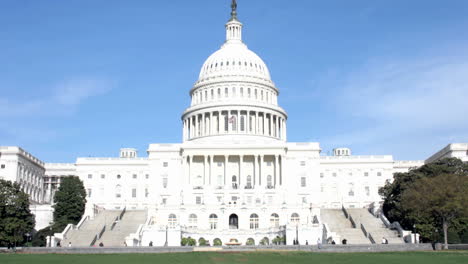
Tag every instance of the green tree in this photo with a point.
(217, 242)
(392, 194)
(443, 198)
(70, 202)
(15, 217)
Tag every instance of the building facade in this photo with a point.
(234, 176)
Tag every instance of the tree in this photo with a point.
(15, 217)
(443, 198)
(70, 202)
(392, 194)
(217, 242)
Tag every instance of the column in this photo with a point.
(264, 124)
(202, 125)
(185, 169)
(256, 123)
(219, 122)
(270, 129)
(204, 170)
(238, 122)
(211, 123)
(197, 126)
(241, 159)
(281, 170)
(260, 170)
(276, 170)
(247, 123)
(190, 170)
(277, 134)
(255, 172)
(285, 130)
(211, 169)
(225, 169)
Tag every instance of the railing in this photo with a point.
(81, 222)
(122, 213)
(348, 216)
(102, 231)
(367, 234)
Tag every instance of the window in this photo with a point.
(304, 200)
(146, 193)
(89, 193)
(212, 94)
(220, 164)
(192, 221)
(165, 164)
(274, 220)
(334, 174)
(249, 199)
(226, 92)
(90, 176)
(226, 123)
(303, 181)
(134, 192)
(234, 181)
(351, 189)
(269, 182)
(103, 176)
(219, 198)
(295, 219)
(242, 124)
(172, 221)
(147, 176)
(366, 174)
(270, 199)
(198, 200)
(258, 201)
(118, 191)
(164, 201)
(3, 166)
(249, 182)
(379, 173)
(321, 175)
(213, 221)
(164, 180)
(118, 176)
(367, 189)
(134, 176)
(269, 163)
(303, 163)
(253, 221)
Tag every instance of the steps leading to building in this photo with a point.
(374, 226)
(339, 224)
(128, 224)
(84, 236)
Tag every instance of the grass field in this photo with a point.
(257, 258)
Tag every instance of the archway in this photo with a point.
(233, 221)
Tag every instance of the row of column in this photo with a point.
(258, 177)
(234, 122)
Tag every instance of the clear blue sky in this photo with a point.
(84, 78)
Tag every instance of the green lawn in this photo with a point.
(257, 258)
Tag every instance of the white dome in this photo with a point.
(234, 59)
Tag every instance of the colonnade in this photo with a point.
(234, 122)
(258, 175)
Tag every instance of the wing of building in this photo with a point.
(234, 179)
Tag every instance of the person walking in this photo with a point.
(319, 243)
(69, 244)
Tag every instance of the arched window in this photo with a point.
(192, 223)
(212, 94)
(274, 220)
(295, 219)
(213, 221)
(233, 221)
(172, 221)
(242, 123)
(234, 181)
(269, 182)
(206, 95)
(248, 93)
(242, 92)
(253, 221)
(226, 92)
(249, 182)
(219, 92)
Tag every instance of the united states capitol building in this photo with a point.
(234, 179)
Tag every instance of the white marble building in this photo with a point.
(234, 175)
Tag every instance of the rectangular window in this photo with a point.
(366, 174)
(198, 200)
(304, 199)
(367, 189)
(220, 199)
(269, 163)
(220, 164)
(90, 176)
(165, 182)
(321, 175)
(303, 163)
(249, 199)
(165, 164)
(164, 201)
(89, 192)
(379, 174)
(134, 176)
(147, 176)
(103, 176)
(3, 166)
(334, 174)
(146, 193)
(134, 193)
(303, 182)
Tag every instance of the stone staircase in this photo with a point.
(374, 226)
(115, 234)
(339, 224)
(84, 236)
